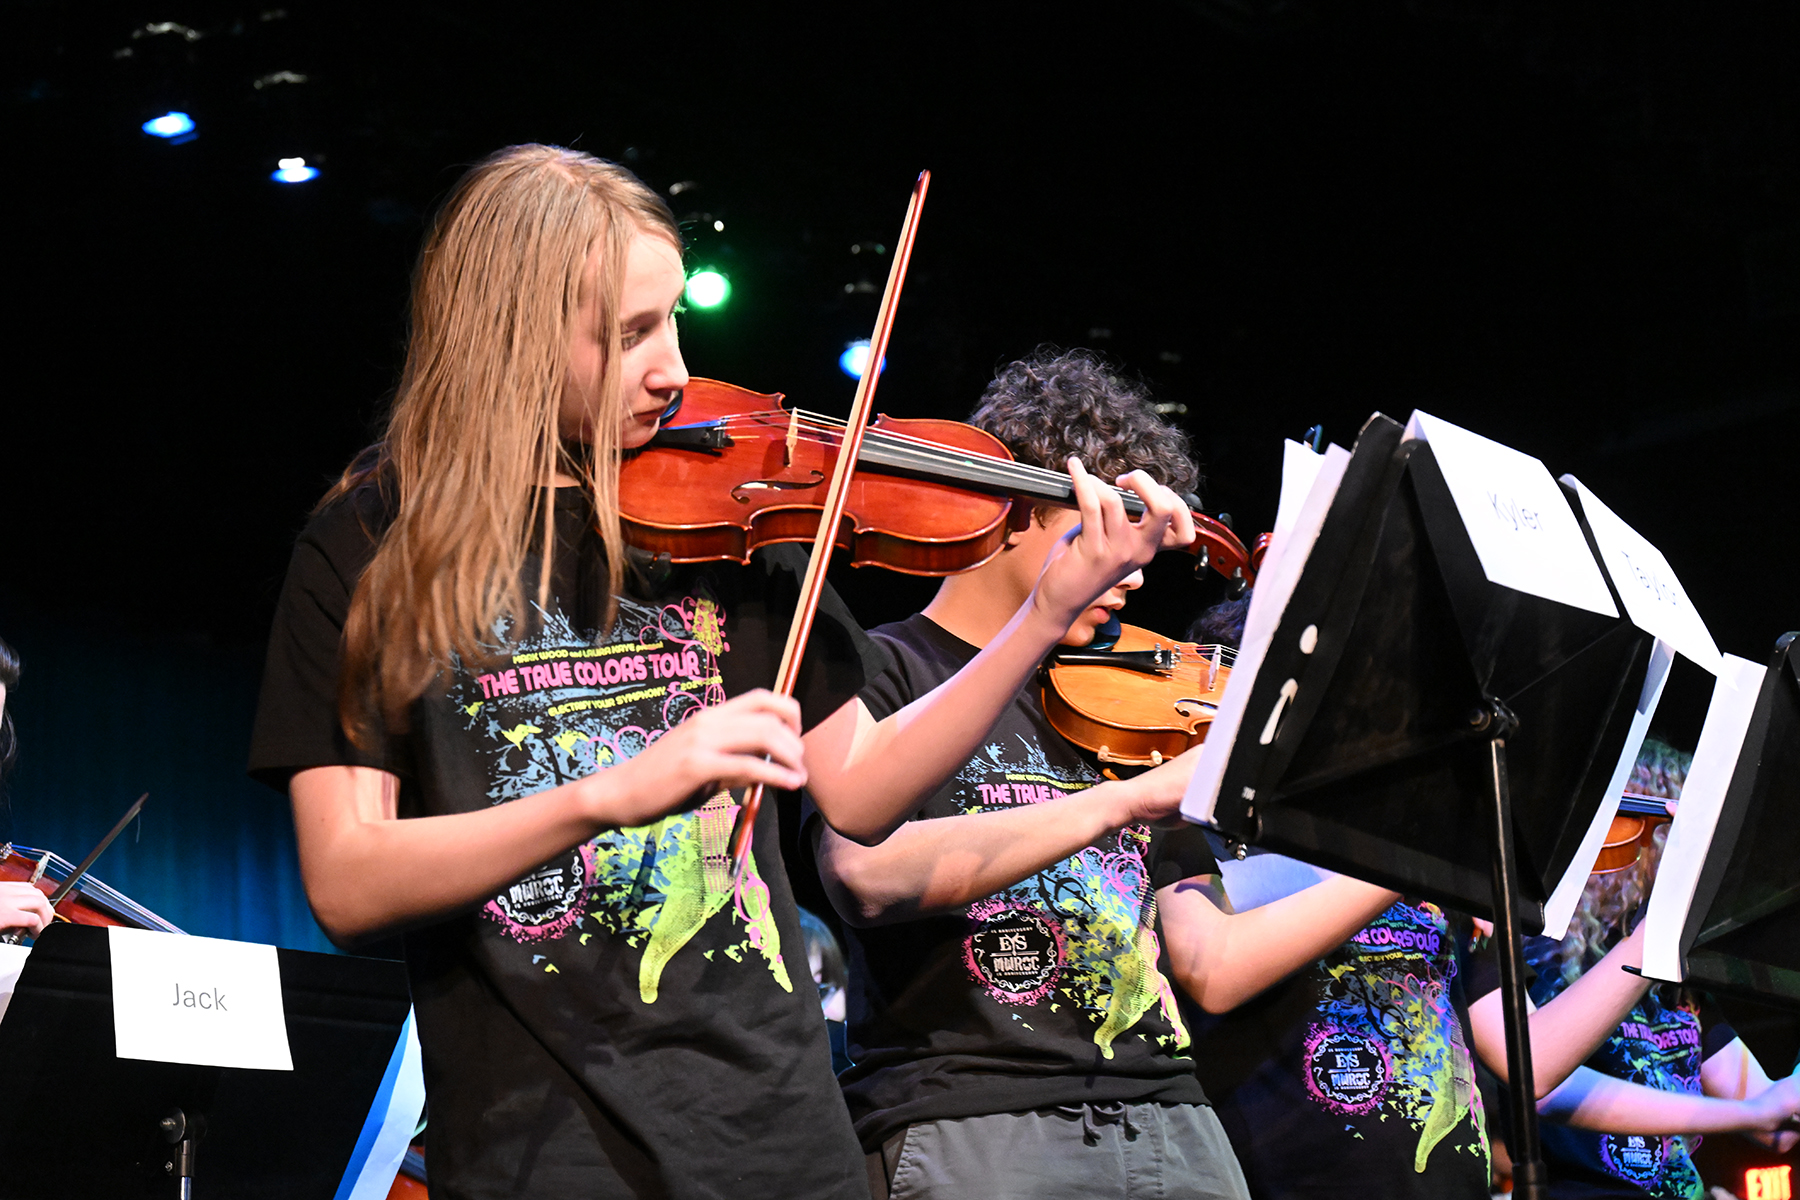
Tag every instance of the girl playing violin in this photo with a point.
(508, 738)
(1622, 1124)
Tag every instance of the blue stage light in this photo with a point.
(294, 170)
(169, 125)
(855, 358)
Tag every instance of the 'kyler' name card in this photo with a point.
(197, 1000)
(1524, 532)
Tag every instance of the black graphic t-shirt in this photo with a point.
(1661, 1043)
(623, 1020)
(1354, 1073)
(1048, 993)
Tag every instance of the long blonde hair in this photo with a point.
(472, 438)
(1609, 899)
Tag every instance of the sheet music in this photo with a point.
(1524, 532)
(1559, 911)
(1702, 797)
(1654, 598)
(1274, 588)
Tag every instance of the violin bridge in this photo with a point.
(793, 438)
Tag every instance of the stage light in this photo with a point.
(293, 170)
(855, 358)
(708, 289)
(171, 125)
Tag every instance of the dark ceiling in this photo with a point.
(1575, 228)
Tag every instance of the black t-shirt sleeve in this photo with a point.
(297, 722)
(892, 689)
(840, 660)
(1183, 854)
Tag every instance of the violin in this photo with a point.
(1631, 831)
(929, 497)
(91, 902)
(1139, 702)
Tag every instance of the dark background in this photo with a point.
(1573, 228)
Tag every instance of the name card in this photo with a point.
(1654, 599)
(1523, 529)
(197, 1000)
(12, 961)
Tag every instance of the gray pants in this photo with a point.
(1135, 1151)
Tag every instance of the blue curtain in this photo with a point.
(103, 718)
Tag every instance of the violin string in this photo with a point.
(924, 455)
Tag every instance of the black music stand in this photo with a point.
(78, 1122)
(1742, 933)
(1443, 735)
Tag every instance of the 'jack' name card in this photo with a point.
(197, 1000)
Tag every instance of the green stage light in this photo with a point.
(708, 289)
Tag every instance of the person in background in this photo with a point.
(23, 907)
(825, 958)
(1624, 1123)
(1012, 1022)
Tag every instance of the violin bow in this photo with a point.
(813, 585)
(68, 885)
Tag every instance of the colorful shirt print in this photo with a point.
(1387, 1039)
(1081, 933)
(622, 1019)
(1048, 992)
(1355, 1069)
(1661, 1043)
(562, 706)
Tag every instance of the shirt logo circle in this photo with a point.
(1635, 1157)
(545, 902)
(1346, 1071)
(1015, 952)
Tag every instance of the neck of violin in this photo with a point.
(977, 472)
(1634, 804)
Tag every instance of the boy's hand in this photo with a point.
(1107, 545)
(1154, 797)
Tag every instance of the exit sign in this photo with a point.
(1769, 1183)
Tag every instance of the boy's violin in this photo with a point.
(1137, 701)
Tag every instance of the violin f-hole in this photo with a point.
(775, 485)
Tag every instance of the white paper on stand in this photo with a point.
(1524, 532)
(1299, 468)
(1559, 910)
(226, 1008)
(12, 961)
(1702, 798)
(1654, 598)
(1275, 584)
